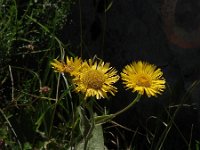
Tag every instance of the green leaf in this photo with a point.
(85, 123)
(92, 135)
(96, 141)
(103, 119)
(27, 146)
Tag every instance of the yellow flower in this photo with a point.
(58, 66)
(71, 66)
(96, 79)
(143, 77)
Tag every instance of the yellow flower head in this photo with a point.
(71, 66)
(143, 77)
(96, 79)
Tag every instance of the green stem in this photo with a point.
(106, 118)
(54, 111)
(91, 112)
(127, 107)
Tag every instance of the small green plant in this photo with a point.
(28, 31)
(93, 80)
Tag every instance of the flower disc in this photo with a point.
(143, 78)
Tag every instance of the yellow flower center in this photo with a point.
(143, 81)
(94, 79)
